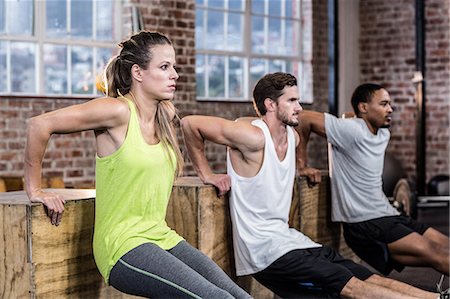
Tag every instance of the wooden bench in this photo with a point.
(44, 261)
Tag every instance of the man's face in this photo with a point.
(289, 106)
(379, 110)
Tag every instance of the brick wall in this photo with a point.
(437, 14)
(317, 147)
(387, 47)
(71, 156)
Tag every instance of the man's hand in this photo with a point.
(53, 203)
(313, 175)
(221, 181)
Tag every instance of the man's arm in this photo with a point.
(238, 135)
(315, 122)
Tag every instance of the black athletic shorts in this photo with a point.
(310, 273)
(369, 239)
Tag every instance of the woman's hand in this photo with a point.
(54, 204)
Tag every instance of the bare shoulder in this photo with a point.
(112, 107)
(247, 119)
(252, 136)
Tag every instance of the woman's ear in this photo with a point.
(136, 72)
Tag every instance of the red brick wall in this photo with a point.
(387, 46)
(73, 155)
(437, 14)
(317, 147)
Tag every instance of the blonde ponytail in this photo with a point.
(166, 114)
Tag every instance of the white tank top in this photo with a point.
(260, 206)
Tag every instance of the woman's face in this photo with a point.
(159, 79)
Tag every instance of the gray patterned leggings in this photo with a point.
(181, 272)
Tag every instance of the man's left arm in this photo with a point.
(310, 121)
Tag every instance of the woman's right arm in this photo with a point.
(103, 113)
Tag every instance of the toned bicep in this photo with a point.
(222, 131)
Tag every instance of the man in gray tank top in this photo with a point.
(261, 171)
(372, 227)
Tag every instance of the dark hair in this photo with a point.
(271, 86)
(364, 93)
(135, 50)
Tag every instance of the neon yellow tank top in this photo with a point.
(133, 189)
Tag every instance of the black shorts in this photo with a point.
(312, 273)
(369, 239)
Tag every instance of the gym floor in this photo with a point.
(427, 278)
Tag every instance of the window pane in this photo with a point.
(3, 78)
(103, 56)
(236, 77)
(293, 68)
(216, 3)
(2, 16)
(81, 19)
(200, 74)
(19, 19)
(23, 69)
(258, 6)
(55, 69)
(257, 70)
(292, 38)
(56, 18)
(215, 38)
(276, 66)
(82, 78)
(236, 5)
(216, 78)
(275, 8)
(199, 2)
(275, 36)
(258, 35)
(199, 17)
(235, 32)
(291, 8)
(105, 19)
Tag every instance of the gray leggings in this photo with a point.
(181, 272)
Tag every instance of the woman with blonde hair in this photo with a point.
(137, 161)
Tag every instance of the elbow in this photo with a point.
(36, 126)
(32, 124)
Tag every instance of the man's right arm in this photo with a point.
(310, 121)
(239, 135)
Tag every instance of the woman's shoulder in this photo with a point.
(113, 108)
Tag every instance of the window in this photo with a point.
(57, 47)
(239, 41)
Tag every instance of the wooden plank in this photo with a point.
(182, 213)
(215, 230)
(15, 270)
(20, 197)
(62, 255)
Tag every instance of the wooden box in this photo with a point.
(43, 261)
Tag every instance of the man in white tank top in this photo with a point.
(261, 172)
(372, 227)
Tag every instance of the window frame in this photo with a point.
(39, 40)
(302, 57)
